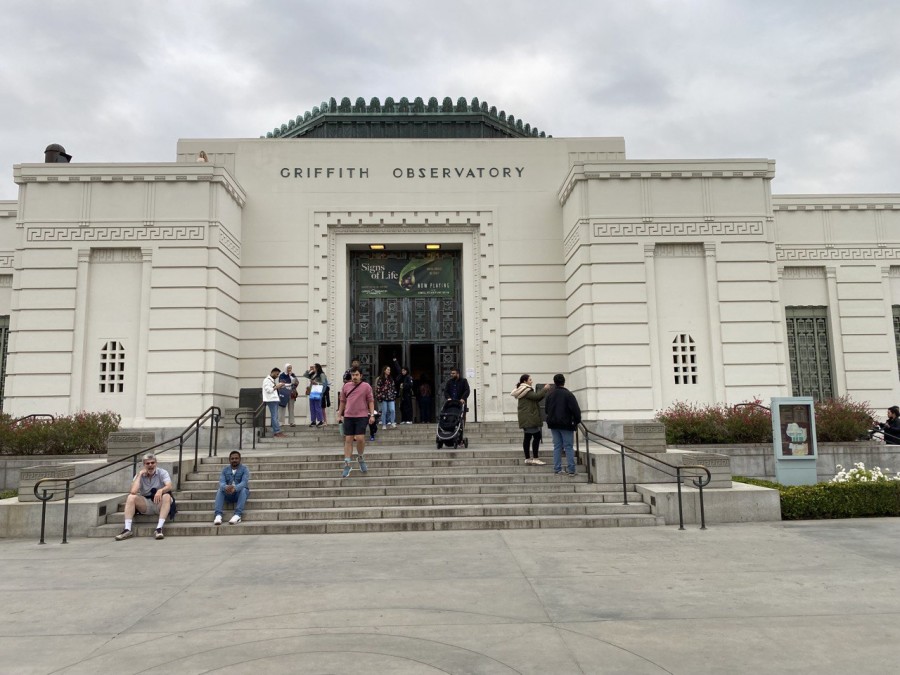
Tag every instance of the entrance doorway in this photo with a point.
(407, 305)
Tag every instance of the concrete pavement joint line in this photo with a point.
(173, 595)
(534, 592)
(232, 644)
(561, 630)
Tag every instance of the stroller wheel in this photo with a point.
(465, 442)
(439, 445)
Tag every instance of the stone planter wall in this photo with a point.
(758, 460)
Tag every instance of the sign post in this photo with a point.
(794, 436)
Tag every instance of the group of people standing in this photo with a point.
(563, 417)
(281, 389)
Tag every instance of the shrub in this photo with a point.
(842, 419)
(81, 434)
(856, 497)
(688, 423)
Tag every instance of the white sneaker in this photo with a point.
(234, 520)
(384, 426)
(218, 520)
(529, 461)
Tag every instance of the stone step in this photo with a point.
(372, 454)
(328, 470)
(375, 479)
(339, 501)
(386, 525)
(258, 468)
(360, 489)
(428, 511)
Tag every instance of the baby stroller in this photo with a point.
(452, 426)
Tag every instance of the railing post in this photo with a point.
(196, 444)
(240, 434)
(43, 515)
(587, 458)
(211, 422)
(66, 515)
(180, 453)
(624, 482)
(475, 397)
(680, 512)
(702, 514)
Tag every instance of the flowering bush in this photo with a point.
(842, 419)
(81, 434)
(688, 423)
(847, 499)
(860, 474)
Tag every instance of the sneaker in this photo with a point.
(393, 425)
(312, 424)
(570, 475)
(347, 470)
(557, 473)
(217, 520)
(158, 533)
(371, 439)
(538, 462)
(278, 435)
(528, 460)
(384, 426)
(124, 534)
(363, 467)
(318, 424)
(235, 519)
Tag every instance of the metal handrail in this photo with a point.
(242, 416)
(212, 414)
(36, 417)
(634, 454)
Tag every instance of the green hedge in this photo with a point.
(835, 500)
(81, 434)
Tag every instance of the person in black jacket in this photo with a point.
(891, 428)
(457, 388)
(563, 418)
(405, 389)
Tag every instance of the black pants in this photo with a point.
(406, 409)
(535, 441)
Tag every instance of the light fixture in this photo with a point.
(376, 247)
(432, 247)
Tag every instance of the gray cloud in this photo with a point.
(813, 85)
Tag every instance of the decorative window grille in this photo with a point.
(809, 351)
(4, 346)
(112, 368)
(684, 359)
(896, 312)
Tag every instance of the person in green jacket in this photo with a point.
(530, 416)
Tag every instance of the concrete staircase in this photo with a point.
(479, 435)
(296, 491)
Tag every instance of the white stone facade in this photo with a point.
(646, 282)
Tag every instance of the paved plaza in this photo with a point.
(816, 596)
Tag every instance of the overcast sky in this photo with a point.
(814, 85)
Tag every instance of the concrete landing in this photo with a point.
(805, 597)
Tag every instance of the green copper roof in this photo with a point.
(402, 119)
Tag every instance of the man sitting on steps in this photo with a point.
(151, 495)
(234, 488)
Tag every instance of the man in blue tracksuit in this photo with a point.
(234, 487)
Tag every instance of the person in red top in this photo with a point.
(356, 411)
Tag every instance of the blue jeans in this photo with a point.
(563, 438)
(315, 410)
(387, 413)
(239, 496)
(273, 413)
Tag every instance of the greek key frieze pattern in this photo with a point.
(694, 229)
(229, 242)
(126, 233)
(572, 240)
(7, 258)
(838, 253)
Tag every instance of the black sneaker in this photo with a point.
(158, 533)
